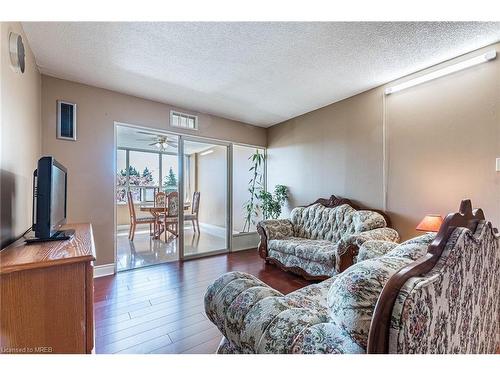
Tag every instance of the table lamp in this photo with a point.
(430, 223)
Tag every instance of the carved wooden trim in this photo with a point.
(378, 339)
(297, 270)
(347, 258)
(333, 201)
(263, 241)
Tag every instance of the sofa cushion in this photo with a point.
(310, 267)
(374, 249)
(454, 308)
(307, 249)
(413, 248)
(354, 293)
(365, 220)
(277, 228)
(318, 222)
(325, 338)
(314, 297)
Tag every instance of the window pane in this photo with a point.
(183, 122)
(148, 194)
(121, 176)
(121, 168)
(169, 172)
(246, 206)
(175, 120)
(144, 168)
(67, 125)
(121, 195)
(136, 195)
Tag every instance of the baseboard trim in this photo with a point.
(104, 270)
(244, 249)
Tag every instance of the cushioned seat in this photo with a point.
(318, 241)
(145, 220)
(324, 317)
(452, 308)
(304, 248)
(313, 297)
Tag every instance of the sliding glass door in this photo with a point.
(146, 165)
(211, 184)
(205, 197)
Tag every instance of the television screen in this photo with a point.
(58, 197)
(50, 207)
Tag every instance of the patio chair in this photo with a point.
(170, 221)
(193, 216)
(134, 220)
(160, 199)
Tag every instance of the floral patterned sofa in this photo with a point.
(431, 294)
(322, 239)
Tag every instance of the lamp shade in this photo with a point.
(430, 223)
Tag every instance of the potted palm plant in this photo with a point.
(260, 200)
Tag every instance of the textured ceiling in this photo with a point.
(259, 73)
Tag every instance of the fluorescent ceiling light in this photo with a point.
(207, 152)
(487, 56)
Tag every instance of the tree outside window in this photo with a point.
(139, 173)
(170, 182)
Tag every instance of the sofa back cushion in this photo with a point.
(354, 294)
(455, 307)
(318, 222)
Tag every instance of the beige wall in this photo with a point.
(20, 136)
(443, 138)
(336, 149)
(90, 159)
(333, 150)
(442, 141)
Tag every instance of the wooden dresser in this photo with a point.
(47, 295)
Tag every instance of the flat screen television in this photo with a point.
(49, 201)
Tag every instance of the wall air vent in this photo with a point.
(183, 120)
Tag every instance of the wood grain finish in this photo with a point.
(19, 256)
(46, 293)
(160, 309)
(89, 307)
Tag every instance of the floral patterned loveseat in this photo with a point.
(431, 294)
(322, 239)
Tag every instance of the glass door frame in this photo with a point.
(229, 194)
(180, 151)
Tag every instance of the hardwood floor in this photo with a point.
(159, 309)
